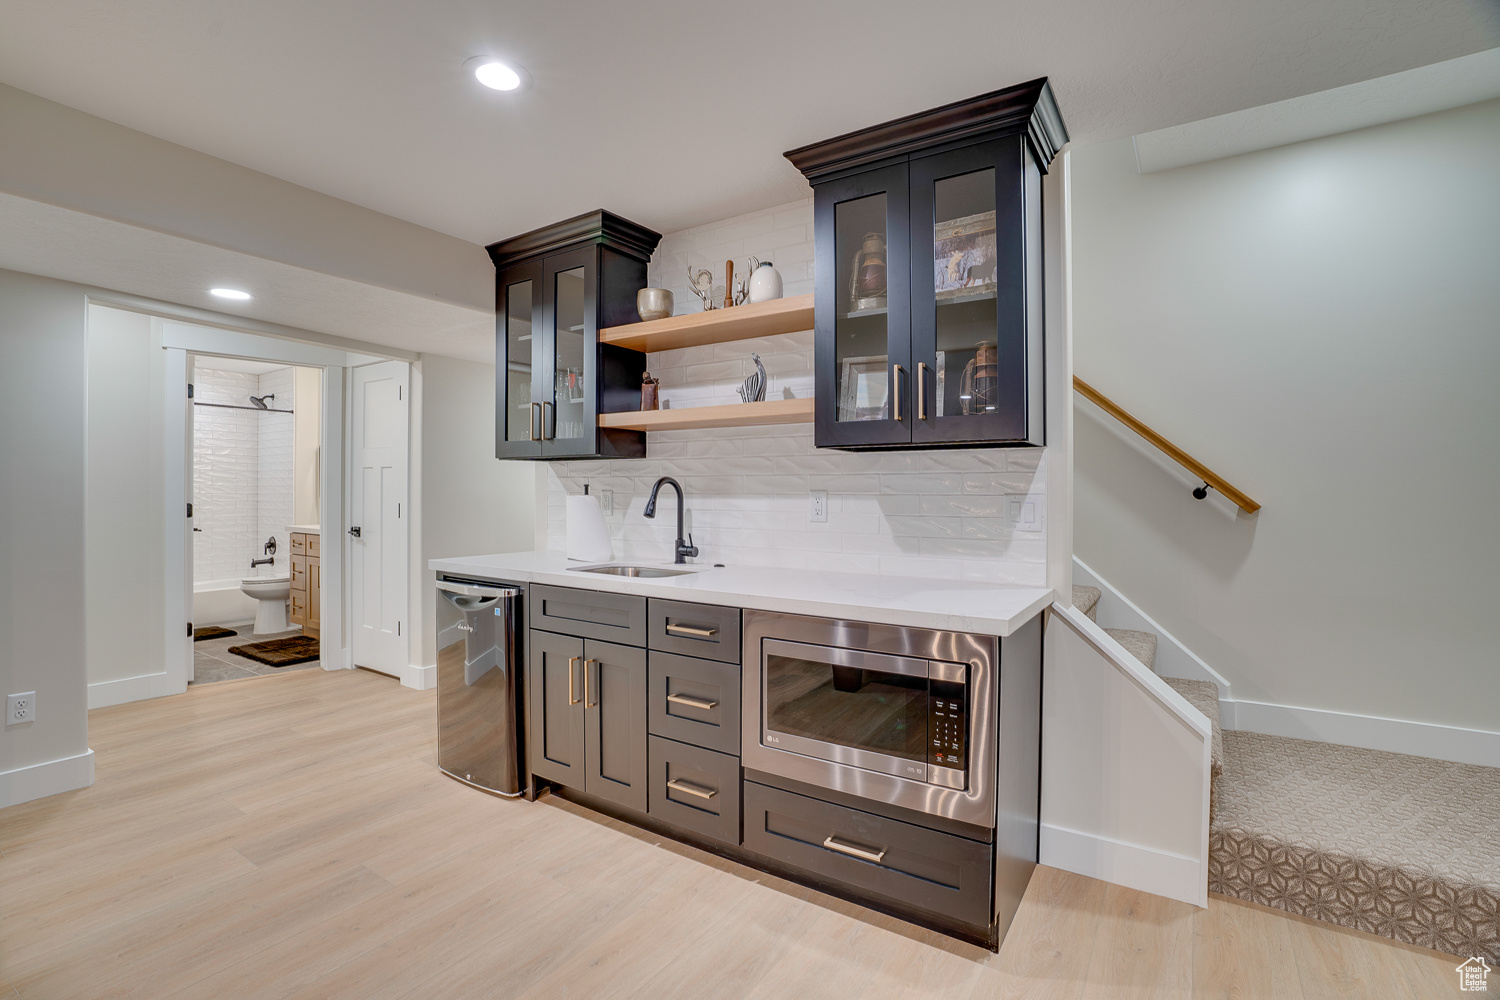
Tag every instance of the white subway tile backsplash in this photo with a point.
(935, 514)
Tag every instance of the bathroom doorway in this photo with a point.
(256, 535)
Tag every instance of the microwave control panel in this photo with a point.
(947, 722)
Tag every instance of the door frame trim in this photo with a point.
(181, 338)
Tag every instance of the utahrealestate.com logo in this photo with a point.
(1474, 976)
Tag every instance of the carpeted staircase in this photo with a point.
(1401, 846)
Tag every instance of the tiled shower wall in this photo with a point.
(970, 514)
(242, 474)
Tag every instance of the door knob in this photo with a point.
(354, 531)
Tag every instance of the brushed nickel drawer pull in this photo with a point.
(690, 702)
(682, 786)
(856, 852)
(703, 633)
(572, 698)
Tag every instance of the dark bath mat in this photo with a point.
(280, 652)
(212, 632)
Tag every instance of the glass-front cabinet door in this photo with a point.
(569, 399)
(519, 359)
(862, 314)
(970, 274)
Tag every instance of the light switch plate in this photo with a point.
(1024, 512)
(20, 708)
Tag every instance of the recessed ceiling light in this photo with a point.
(233, 294)
(497, 74)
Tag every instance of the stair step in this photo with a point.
(1086, 599)
(1141, 645)
(1401, 846)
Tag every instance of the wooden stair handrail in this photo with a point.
(1182, 458)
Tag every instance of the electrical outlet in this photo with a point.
(817, 509)
(607, 502)
(20, 708)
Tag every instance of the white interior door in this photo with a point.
(379, 399)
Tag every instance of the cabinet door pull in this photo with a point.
(572, 698)
(704, 633)
(545, 435)
(854, 852)
(687, 789)
(896, 372)
(586, 702)
(921, 390)
(534, 422)
(699, 703)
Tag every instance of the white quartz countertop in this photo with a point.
(306, 529)
(963, 606)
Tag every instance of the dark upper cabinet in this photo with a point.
(929, 283)
(554, 289)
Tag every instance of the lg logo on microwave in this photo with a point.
(773, 739)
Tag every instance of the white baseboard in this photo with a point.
(1421, 739)
(419, 678)
(103, 694)
(1163, 873)
(50, 777)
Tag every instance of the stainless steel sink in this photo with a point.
(643, 572)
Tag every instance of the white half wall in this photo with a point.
(1125, 767)
(1317, 323)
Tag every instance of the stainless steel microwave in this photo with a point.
(901, 715)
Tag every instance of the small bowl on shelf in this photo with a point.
(653, 303)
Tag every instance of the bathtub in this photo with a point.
(221, 602)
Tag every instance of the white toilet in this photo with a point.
(271, 592)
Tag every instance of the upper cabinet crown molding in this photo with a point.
(1026, 107)
(598, 227)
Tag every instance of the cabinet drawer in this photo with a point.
(312, 545)
(695, 701)
(908, 865)
(299, 573)
(696, 789)
(299, 612)
(705, 630)
(299, 544)
(594, 615)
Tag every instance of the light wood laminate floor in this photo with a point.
(291, 836)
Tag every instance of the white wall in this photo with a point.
(307, 458)
(43, 644)
(123, 532)
(950, 514)
(467, 502)
(1320, 323)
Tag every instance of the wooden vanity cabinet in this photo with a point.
(307, 582)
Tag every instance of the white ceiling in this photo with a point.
(671, 114)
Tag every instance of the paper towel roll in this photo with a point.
(588, 535)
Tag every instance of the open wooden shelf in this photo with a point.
(771, 411)
(762, 319)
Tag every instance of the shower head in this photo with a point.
(260, 401)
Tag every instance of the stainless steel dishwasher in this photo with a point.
(479, 683)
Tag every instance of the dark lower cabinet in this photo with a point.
(910, 866)
(614, 719)
(555, 747)
(587, 716)
(696, 789)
